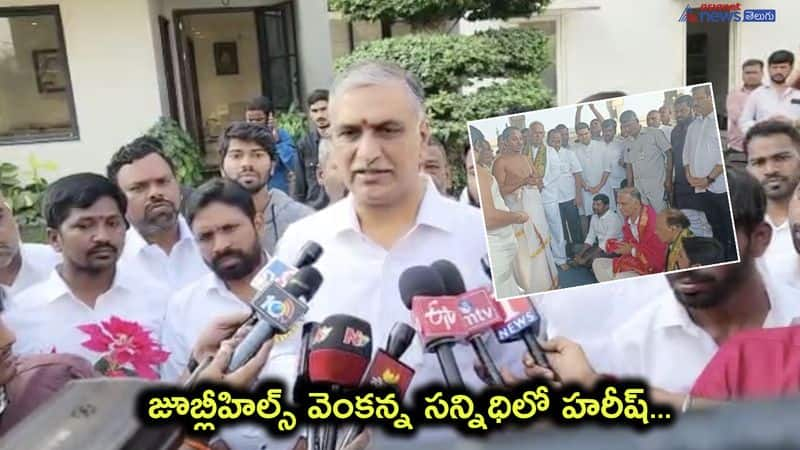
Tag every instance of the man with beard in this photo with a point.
(248, 157)
(308, 189)
(777, 100)
(284, 172)
(159, 241)
(520, 186)
(704, 310)
(88, 306)
(773, 152)
(565, 142)
(702, 162)
(752, 74)
(21, 265)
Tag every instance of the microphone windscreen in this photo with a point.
(309, 254)
(340, 351)
(419, 281)
(305, 282)
(400, 337)
(451, 277)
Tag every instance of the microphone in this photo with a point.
(339, 355)
(277, 309)
(386, 369)
(277, 271)
(521, 321)
(309, 329)
(478, 311)
(434, 313)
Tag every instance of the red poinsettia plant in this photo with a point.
(127, 348)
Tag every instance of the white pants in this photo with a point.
(603, 269)
(504, 257)
(557, 243)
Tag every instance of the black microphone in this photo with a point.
(386, 369)
(479, 317)
(277, 309)
(521, 321)
(437, 322)
(309, 254)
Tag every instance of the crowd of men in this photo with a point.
(622, 205)
(137, 281)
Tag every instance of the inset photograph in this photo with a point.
(601, 191)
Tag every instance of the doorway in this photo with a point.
(707, 59)
(229, 56)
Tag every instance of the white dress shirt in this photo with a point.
(667, 132)
(589, 314)
(361, 279)
(552, 174)
(47, 315)
(595, 163)
(765, 102)
(37, 262)
(182, 266)
(569, 167)
(605, 227)
(702, 151)
(780, 250)
(664, 346)
(615, 152)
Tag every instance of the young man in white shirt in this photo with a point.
(596, 168)
(159, 241)
(614, 149)
(570, 190)
(393, 218)
(703, 163)
(777, 100)
(665, 113)
(605, 225)
(705, 308)
(21, 265)
(87, 306)
(773, 158)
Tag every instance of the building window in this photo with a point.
(346, 36)
(35, 91)
(548, 28)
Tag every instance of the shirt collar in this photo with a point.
(782, 226)
(431, 212)
(54, 287)
(134, 241)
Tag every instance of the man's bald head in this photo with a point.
(537, 133)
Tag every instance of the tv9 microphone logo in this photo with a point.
(281, 308)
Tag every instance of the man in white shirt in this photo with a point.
(605, 224)
(393, 218)
(159, 242)
(435, 164)
(596, 168)
(791, 272)
(548, 166)
(705, 308)
(777, 100)
(87, 306)
(329, 176)
(665, 113)
(773, 158)
(21, 265)
(569, 191)
(703, 163)
(469, 196)
(614, 148)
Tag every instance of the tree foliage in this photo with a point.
(419, 12)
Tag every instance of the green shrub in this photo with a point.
(179, 146)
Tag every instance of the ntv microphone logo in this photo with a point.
(725, 12)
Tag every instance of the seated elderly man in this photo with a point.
(642, 252)
(672, 227)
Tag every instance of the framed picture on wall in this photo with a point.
(226, 58)
(50, 73)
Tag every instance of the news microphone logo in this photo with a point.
(355, 338)
(518, 315)
(279, 306)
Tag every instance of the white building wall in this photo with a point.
(114, 80)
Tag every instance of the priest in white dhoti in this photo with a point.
(520, 188)
(547, 165)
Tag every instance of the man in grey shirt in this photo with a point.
(248, 155)
(648, 161)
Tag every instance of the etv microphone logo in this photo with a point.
(441, 316)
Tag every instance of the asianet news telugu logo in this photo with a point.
(725, 12)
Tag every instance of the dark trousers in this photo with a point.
(719, 217)
(573, 233)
